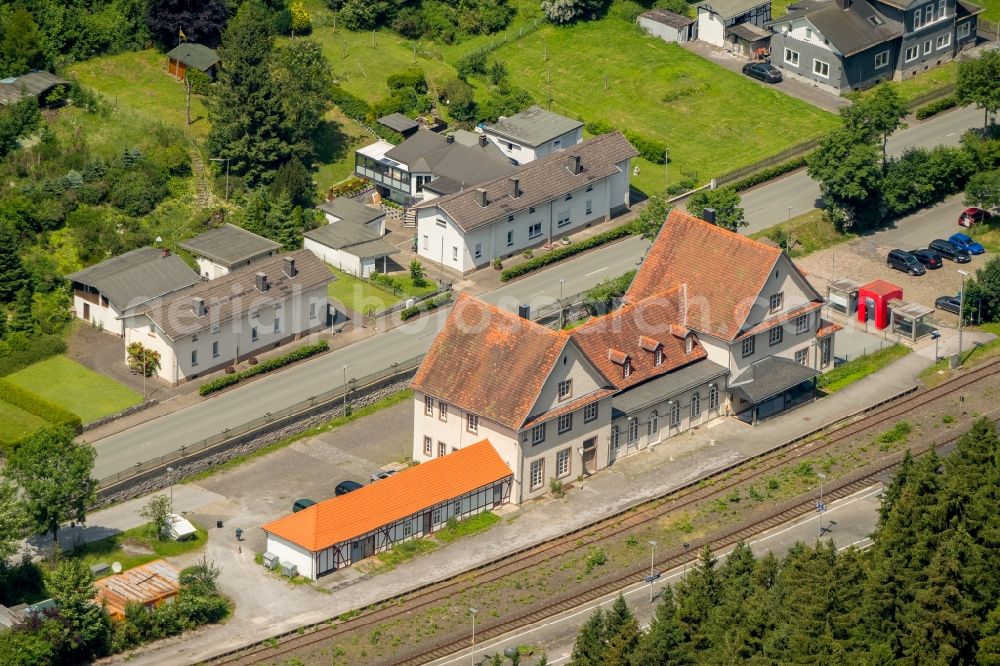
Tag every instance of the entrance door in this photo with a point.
(427, 522)
(86, 311)
(614, 444)
(590, 455)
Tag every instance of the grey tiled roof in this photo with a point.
(353, 237)
(850, 30)
(540, 181)
(229, 245)
(137, 276)
(194, 55)
(727, 9)
(399, 122)
(349, 210)
(667, 18)
(534, 126)
(663, 387)
(232, 295)
(462, 160)
(32, 83)
(770, 376)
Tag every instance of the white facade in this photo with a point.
(341, 259)
(711, 28)
(667, 33)
(522, 153)
(211, 269)
(99, 311)
(258, 329)
(287, 551)
(440, 239)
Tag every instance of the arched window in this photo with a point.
(614, 437)
(653, 425)
(695, 406)
(675, 413)
(633, 430)
(713, 397)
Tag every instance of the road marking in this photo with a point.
(596, 272)
(952, 134)
(862, 494)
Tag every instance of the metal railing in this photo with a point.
(795, 151)
(331, 396)
(930, 96)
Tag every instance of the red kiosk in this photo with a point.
(873, 302)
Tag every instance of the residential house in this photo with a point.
(533, 133)
(666, 25)
(535, 204)
(733, 24)
(456, 161)
(149, 585)
(222, 250)
(750, 306)
(855, 44)
(352, 239)
(36, 84)
(191, 56)
(103, 294)
(216, 323)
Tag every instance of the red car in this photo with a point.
(972, 216)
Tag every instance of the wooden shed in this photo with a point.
(194, 56)
(150, 584)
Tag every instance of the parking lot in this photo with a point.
(863, 260)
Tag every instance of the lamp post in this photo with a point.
(143, 373)
(820, 506)
(226, 160)
(345, 390)
(562, 321)
(686, 546)
(170, 472)
(936, 336)
(473, 612)
(961, 313)
(652, 574)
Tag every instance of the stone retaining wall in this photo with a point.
(134, 409)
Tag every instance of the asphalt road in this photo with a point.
(848, 522)
(764, 206)
(797, 193)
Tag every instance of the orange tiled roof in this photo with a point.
(149, 583)
(489, 362)
(634, 331)
(724, 272)
(784, 317)
(828, 328)
(384, 502)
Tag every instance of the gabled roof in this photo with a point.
(146, 584)
(349, 210)
(540, 181)
(384, 502)
(964, 9)
(636, 330)
(399, 123)
(727, 9)
(850, 30)
(489, 362)
(138, 276)
(193, 55)
(33, 83)
(723, 273)
(461, 159)
(667, 18)
(770, 376)
(229, 245)
(353, 237)
(232, 295)
(533, 126)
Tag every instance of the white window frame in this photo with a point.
(794, 59)
(537, 474)
(653, 425)
(882, 59)
(749, 346)
(426, 242)
(563, 459)
(443, 411)
(915, 50)
(428, 406)
(929, 14)
(565, 422)
(695, 405)
(801, 324)
(658, 356)
(713, 397)
(802, 356)
(312, 310)
(943, 41)
(626, 368)
(194, 357)
(565, 389)
(277, 325)
(472, 423)
(535, 230)
(675, 414)
(964, 30)
(538, 434)
(590, 412)
(428, 446)
(777, 300)
(918, 19)
(563, 219)
(215, 349)
(775, 336)
(442, 449)
(510, 239)
(589, 207)
(928, 47)
(478, 250)
(633, 431)
(809, 34)
(818, 66)
(253, 334)
(942, 9)
(454, 253)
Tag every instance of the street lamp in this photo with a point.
(652, 574)
(345, 390)
(170, 473)
(936, 336)
(820, 506)
(562, 321)
(686, 546)
(961, 313)
(226, 160)
(473, 611)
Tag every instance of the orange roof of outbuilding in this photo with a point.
(881, 287)
(384, 502)
(149, 583)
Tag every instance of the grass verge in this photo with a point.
(940, 371)
(924, 82)
(16, 423)
(403, 552)
(859, 368)
(79, 389)
(134, 547)
(359, 295)
(385, 402)
(988, 234)
(804, 234)
(456, 529)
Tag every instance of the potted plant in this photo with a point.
(565, 240)
(528, 254)
(252, 360)
(497, 264)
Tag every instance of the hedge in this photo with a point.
(38, 406)
(566, 251)
(769, 174)
(650, 149)
(426, 306)
(358, 109)
(37, 349)
(943, 104)
(261, 368)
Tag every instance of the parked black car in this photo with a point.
(345, 487)
(302, 503)
(764, 71)
(949, 251)
(928, 258)
(902, 260)
(948, 303)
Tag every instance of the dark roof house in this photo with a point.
(852, 30)
(349, 210)
(137, 277)
(666, 18)
(230, 245)
(449, 157)
(36, 84)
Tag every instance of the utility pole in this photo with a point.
(170, 472)
(345, 390)
(666, 171)
(652, 574)
(473, 611)
(562, 316)
(961, 313)
(820, 506)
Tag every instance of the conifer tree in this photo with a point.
(699, 594)
(621, 633)
(588, 649)
(23, 322)
(12, 272)
(661, 645)
(278, 217)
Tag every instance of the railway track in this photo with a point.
(717, 483)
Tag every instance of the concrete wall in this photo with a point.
(571, 365)
(664, 32)
(211, 269)
(522, 154)
(104, 317)
(809, 51)
(711, 28)
(341, 259)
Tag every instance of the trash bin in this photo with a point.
(218, 524)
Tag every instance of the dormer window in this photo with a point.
(688, 344)
(658, 356)
(875, 21)
(626, 368)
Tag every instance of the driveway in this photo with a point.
(808, 93)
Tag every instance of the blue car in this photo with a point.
(963, 242)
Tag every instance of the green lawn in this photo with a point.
(988, 234)
(971, 357)
(359, 295)
(780, 7)
(82, 391)
(134, 547)
(16, 423)
(806, 233)
(138, 81)
(711, 119)
(924, 82)
(430, 284)
(992, 8)
(859, 368)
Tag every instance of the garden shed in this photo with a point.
(666, 25)
(191, 56)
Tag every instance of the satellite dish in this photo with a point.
(116, 567)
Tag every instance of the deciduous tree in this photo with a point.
(201, 21)
(983, 190)
(725, 201)
(20, 46)
(303, 75)
(978, 83)
(155, 510)
(86, 625)
(875, 116)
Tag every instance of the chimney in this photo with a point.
(514, 187)
(481, 196)
(199, 307)
(574, 165)
(524, 311)
(261, 282)
(482, 140)
(450, 138)
(708, 214)
(290, 269)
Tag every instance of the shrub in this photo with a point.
(31, 350)
(471, 63)
(201, 83)
(389, 282)
(598, 127)
(411, 78)
(261, 368)
(650, 149)
(136, 193)
(769, 173)
(352, 106)
(565, 251)
(35, 404)
(943, 104)
(426, 306)
(596, 557)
